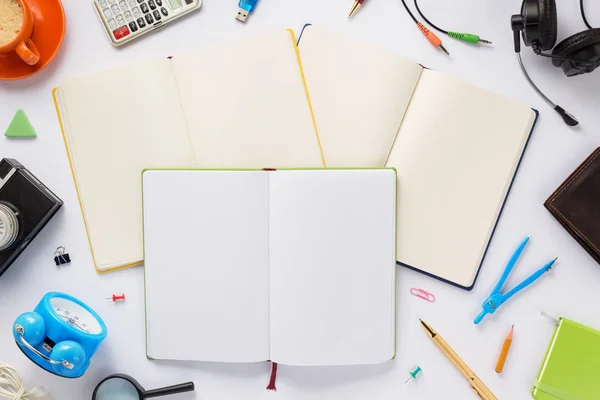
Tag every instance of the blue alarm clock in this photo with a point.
(61, 335)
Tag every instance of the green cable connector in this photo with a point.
(468, 37)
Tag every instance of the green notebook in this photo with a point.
(571, 369)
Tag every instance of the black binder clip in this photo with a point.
(60, 257)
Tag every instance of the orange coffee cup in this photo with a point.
(22, 43)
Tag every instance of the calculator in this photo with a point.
(126, 20)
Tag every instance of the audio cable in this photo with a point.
(11, 386)
(432, 37)
(465, 37)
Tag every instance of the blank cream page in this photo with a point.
(359, 95)
(246, 105)
(456, 154)
(332, 241)
(116, 123)
(207, 265)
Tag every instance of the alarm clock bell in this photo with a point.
(61, 335)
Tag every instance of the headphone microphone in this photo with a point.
(579, 54)
(518, 25)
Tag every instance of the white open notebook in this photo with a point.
(456, 147)
(233, 105)
(293, 266)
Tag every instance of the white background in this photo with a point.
(570, 290)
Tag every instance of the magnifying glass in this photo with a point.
(124, 387)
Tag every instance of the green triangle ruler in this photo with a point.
(20, 126)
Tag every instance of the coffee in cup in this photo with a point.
(16, 29)
(11, 21)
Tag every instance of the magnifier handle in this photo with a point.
(183, 387)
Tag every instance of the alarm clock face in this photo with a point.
(9, 227)
(75, 315)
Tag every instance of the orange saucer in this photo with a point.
(48, 35)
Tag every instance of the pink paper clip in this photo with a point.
(420, 293)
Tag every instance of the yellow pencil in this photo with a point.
(505, 350)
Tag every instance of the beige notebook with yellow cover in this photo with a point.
(456, 147)
(233, 105)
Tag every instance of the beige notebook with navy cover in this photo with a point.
(239, 104)
(293, 266)
(456, 147)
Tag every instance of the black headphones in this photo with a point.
(576, 55)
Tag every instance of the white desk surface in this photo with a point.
(555, 150)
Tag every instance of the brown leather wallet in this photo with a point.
(576, 204)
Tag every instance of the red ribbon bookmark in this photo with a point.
(273, 377)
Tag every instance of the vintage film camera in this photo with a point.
(26, 206)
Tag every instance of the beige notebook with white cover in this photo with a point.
(233, 105)
(456, 147)
(293, 266)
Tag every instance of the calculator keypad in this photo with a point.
(125, 17)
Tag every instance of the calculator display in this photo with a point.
(176, 4)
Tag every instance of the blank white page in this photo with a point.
(332, 266)
(207, 265)
(456, 155)
(359, 95)
(116, 123)
(246, 105)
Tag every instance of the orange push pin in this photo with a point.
(116, 297)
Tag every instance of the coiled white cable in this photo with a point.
(11, 386)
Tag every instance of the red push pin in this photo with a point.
(116, 297)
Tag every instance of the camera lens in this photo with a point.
(9, 227)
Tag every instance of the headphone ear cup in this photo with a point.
(34, 328)
(71, 352)
(548, 24)
(584, 48)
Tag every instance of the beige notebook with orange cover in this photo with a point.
(234, 105)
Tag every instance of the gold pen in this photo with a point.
(357, 4)
(476, 384)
